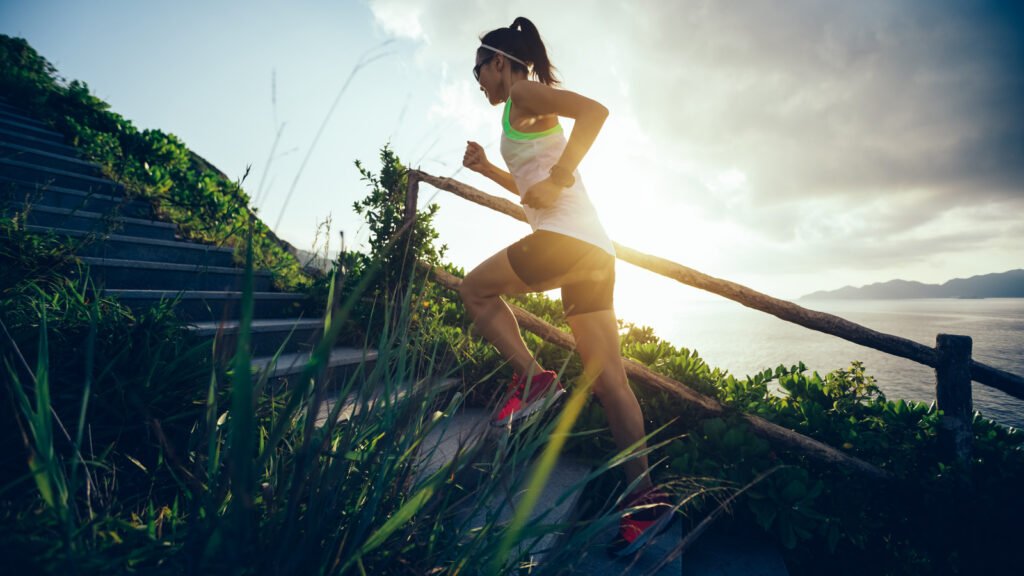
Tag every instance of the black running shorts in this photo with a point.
(544, 257)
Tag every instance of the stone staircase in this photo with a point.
(725, 549)
(141, 260)
(468, 432)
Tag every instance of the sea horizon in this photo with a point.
(744, 341)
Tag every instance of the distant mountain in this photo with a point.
(1002, 285)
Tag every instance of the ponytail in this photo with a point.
(534, 50)
(523, 41)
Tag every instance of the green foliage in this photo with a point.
(384, 211)
(829, 517)
(389, 268)
(138, 370)
(844, 409)
(29, 259)
(158, 167)
(729, 452)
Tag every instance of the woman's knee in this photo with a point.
(605, 371)
(468, 291)
(610, 386)
(472, 290)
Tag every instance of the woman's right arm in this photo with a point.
(476, 160)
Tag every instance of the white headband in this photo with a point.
(505, 54)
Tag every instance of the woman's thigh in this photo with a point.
(547, 260)
(538, 262)
(494, 277)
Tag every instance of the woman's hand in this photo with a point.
(475, 159)
(543, 194)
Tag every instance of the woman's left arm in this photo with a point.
(539, 99)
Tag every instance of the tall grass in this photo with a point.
(265, 485)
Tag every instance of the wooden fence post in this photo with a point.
(412, 192)
(411, 196)
(953, 395)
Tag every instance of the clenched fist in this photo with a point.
(474, 158)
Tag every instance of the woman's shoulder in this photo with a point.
(525, 92)
(536, 98)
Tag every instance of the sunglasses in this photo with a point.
(476, 69)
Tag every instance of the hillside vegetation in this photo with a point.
(133, 448)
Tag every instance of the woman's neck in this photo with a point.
(513, 80)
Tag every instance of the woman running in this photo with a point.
(568, 249)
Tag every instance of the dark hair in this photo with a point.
(522, 40)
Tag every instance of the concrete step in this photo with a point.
(117, 246)
(351, 401)
(467, 434)
(6, 106)
(266, 336)
(72, 219)
(341, 364)
(17, 190)
(594, 560)
(458, 434)
(30, 129)
(555, 505)
(17, 116)
(148, 275)
(30, 141)
(44, 175)
(204, 305)
(57, 161)
(728, 549)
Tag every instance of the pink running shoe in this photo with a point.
(639, 528)
(544, 390)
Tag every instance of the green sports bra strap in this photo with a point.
(517, 135)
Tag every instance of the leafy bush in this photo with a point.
(829, 518)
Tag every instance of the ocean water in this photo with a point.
(745, 341)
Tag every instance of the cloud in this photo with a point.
(861, 132)
(839, 99)
(399, 18)
(855, 121)
(459, 102)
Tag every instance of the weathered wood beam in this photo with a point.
(820, 321)
(502, 205)
(1008, 382)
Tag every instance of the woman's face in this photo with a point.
(489, 76)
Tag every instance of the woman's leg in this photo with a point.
(481, 292)
(597, 342)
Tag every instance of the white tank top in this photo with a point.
(530, 156)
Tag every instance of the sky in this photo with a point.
(790, 147)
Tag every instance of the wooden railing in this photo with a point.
(951, 358)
